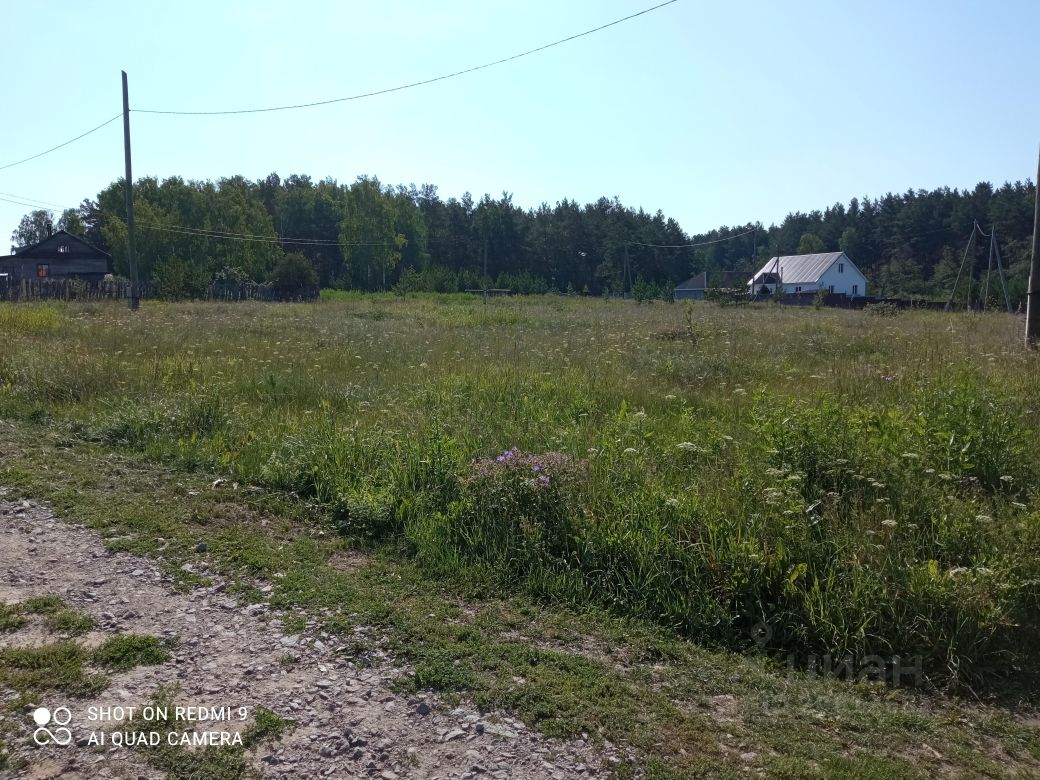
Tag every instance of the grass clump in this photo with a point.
(125, 651)
(267, 725)
(69, 621)
(30, 318)
(56, 617)
(59, 667)
(42, 605)
(11, 618)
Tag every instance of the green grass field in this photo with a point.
(796, 485)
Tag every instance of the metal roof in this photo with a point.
(720, 279)
(698, 282)
(800, 269)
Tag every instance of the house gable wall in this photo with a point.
(844, 281)
(64, 255)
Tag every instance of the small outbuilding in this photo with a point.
(832, 272)
(59, 256)
(693, 289)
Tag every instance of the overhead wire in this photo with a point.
(687, 246)
(33, 206)
(410, 85)
(33, 200)
(63, 144)
(203, 233)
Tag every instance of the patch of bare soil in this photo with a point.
(349, 723)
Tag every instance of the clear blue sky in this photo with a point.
(714, 112)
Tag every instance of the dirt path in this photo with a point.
(349, 723)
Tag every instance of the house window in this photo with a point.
(43, 270)
(855, 289)
(797, 289)
(830, 289)
(841, 268)
(63, 247)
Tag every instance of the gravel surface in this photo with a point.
(349, 723)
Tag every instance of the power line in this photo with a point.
(202, 233)
(230, 234)
(414, 83)
(33, 206)
(66, 143)
(686, 246)
(33, 200)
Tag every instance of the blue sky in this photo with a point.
(716, 113)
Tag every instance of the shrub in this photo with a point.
(974, 433)
(881, 309)
(515, 510)
(177, 280)
(294, 274)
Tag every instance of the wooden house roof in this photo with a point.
(51, 249)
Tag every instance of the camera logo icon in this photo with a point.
(60, 718)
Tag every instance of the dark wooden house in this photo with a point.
(59, 256)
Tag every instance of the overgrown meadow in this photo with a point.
(792, 481)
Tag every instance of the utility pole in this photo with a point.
(628, 273)
(1000, 270)
(1033, 296)
(131, 260)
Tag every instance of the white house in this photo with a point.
(830, 271)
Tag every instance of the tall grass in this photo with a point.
(29, 318)
(855, 485)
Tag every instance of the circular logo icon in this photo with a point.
(59, 736)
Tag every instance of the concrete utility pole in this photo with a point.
(133, 301)
(1033, 296)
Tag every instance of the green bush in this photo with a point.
(294, 274)
(515, 508)
(882, 309)
(177, 280)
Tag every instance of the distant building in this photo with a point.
(59, 256)
(831, 272)
(693, 289)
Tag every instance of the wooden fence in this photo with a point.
(66, 290)
(842, 301)
(251, 291)
(82, 290)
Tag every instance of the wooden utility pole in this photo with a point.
(1000, 268)
(485, 257)
(628, 273)
(1033, 296)
(134, 300)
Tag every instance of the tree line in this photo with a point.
(367, 235)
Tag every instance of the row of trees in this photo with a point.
(369, 236)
